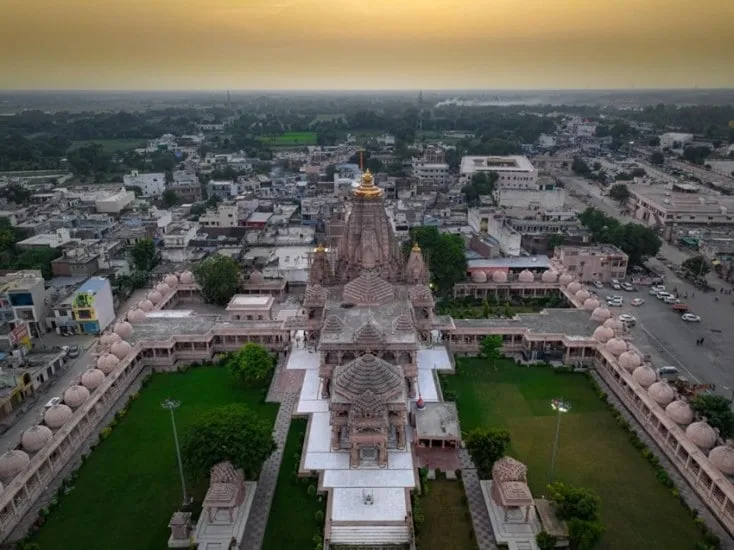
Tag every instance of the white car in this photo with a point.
(616, 286)
(691, 318)
(598, 284)
(655, 290)
(663, 295)
(627, 319)
(671, 300)
(637, 302)
(628, 287)
(614, 303)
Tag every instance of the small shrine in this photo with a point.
(180, 526)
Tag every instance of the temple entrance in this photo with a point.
(368, 455)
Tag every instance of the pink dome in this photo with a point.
(662, 393)
(722, 457)
(702, 435)
(187, 278)
(526, 276)
(603, 334)
(146, 305)
(92, 378)
(163, 288)
(109, 338)
(120, 349)
(124, 329)
(601, 314)
(616, 346)
(107, 362)
(479, 277)
(171, 280)
(680, 412)
(12, 463)
(565, 278)
(136, 316)
(590, 304)
(644, 376)
(56, 416)
(499, 276)
(34, 439)
(155, 297)
(75, 396)
(549, 276)
(573, 287)
(615, 324)
(629, 360)
(582, 295)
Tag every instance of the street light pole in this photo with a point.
(560, 407)
(172, 405)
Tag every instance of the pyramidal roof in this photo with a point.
(333, 324)
(369, 290)
(368, 373)
(403, 323)
(368, 335)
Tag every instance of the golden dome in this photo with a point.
(367, 189)
(320, 248)
(416, 248)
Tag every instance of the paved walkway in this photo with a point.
(690, 496)
(479, 515)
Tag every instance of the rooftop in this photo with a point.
(439, 420)
(572, 322)
(519, 262)
(517, 163)
(242, 301)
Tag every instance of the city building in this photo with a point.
(223, 190)
(602, 262)
(675, 140)
(57, 239)
(152, 184)
(514, 172)
(92, 306)
(187, 186)
(22, 296)
(114, 202)
(223, 216)
(431, 168)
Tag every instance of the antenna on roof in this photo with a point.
(361, 159)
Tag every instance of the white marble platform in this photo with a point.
(301, 359)
(427, 385)
(436, 358)
(374, 479)
(348, 504)
(513, 534)
(217, 535)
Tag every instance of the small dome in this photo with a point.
(136, 316)
(163, 288)
(526, 276)
(171, 280)
(187, 278)
(582, 295)
(109, 338)
(723, 458)
(124, 329)
(573, 287)
(615, 324)
(662, 393)
(603, 334)
(701, 434)
(601, 314)
(120, 349)
(107, 362)
(56, 416)
(629, 360)
(549, 276)
(565, 278)
(420, 404)
(146, 305)
(12, 463)
(154, 297)
(590, 304)
(644, 376)
(35, 438)
(680, 412)
(75, 396)
(256, 277)
(92, 378)
(499, 277)
(479, 277)
(615, 346)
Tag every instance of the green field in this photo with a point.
(447, 523)
(291, 139)
(111, 145)
(292, 522)
(129, 486)
(594, 452)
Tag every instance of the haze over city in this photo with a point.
(350, 44)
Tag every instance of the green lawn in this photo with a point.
(292, 523)
(593, 451)
(447, 523)
(291, 139)
(129, 486)
(111, 145)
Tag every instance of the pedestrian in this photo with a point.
(701, 340)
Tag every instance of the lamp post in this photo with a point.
(560, 406)
(172, 405)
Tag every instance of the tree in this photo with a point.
(697, 266)
(545, 541)
(143, 254)
(718, 413)
(623, 176)
(230, 433)
(555, 240)
(657, 158)
(252, 364)
(574, 502)
(170, 198)
(491, 348)
(579, 167)
(482, 184)
(638, 172)
(585, 535)
(637, 241)
(444, 253)
(487, 446)
(620, 192)
(218, 278)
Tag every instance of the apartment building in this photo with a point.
(114, 202)
(22, 295)
(514, 172)
(152, 184)
(92, 306)
(187, 186)
(592, 263)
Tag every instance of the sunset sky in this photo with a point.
(376, 44)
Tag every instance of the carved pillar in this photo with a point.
(335, 433)
(383, 454)
(354, 456)
(401, 437)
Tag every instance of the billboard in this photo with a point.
(83, 300)
(20, 336)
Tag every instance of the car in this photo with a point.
(671, 300)
(663, 295)
(628, 319)
(691, 317)
(628, 287)
(598, 284)
(637, 302)
(668, 370)
(51, 402)
(614, 303)
(654, 290)
(615, 298)
(73, 352)
(616, 286)
(614, 281)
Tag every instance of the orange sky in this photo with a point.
(350, 44)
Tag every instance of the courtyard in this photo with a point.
(129, 486)
(447, 523)
(593, 450)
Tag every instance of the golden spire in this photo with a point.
(367, 189)
(320, 249)
(416, 248)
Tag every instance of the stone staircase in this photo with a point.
(366, 535)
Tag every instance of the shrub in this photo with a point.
(319, 516)
(311, 490)
(545, 540)
(105, 433)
